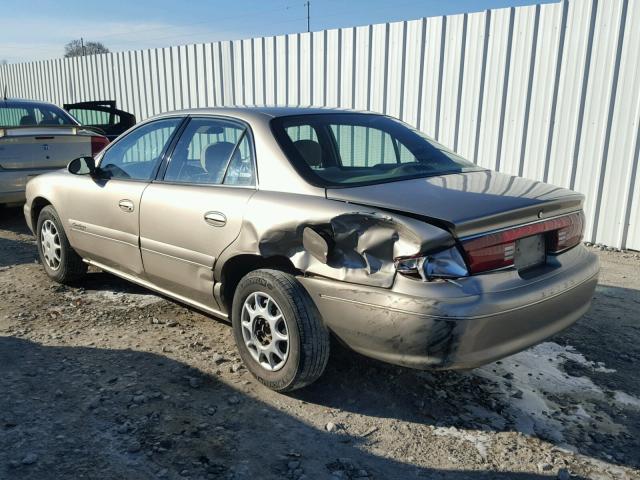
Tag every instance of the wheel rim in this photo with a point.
(264, 331)
(50, 245)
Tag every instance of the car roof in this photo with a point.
(8, 102)
(260, 112)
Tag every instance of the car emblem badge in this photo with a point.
(540, 214)
(45, 147)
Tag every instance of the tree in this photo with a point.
(79, 48)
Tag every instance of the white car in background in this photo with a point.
(37, 137)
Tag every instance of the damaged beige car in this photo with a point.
(297, 224)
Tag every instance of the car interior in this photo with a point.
(212, 154)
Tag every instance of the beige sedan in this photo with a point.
(298, 224)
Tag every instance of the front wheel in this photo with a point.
(60, 261)
(278, 330)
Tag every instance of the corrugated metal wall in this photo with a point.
(550, 92)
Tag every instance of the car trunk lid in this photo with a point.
(467, 204)
(42, 147)
(500, 220)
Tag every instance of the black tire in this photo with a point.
(308, 346)
(71, 268)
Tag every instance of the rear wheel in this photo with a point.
(60, 261)
(278, 330)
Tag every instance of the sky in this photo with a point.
(38, 30)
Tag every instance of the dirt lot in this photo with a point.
(110, 381)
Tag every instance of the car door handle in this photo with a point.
(217, 219)
(126, 205)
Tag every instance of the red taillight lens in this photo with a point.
(98, 143)
(568, 235)
(496, 250)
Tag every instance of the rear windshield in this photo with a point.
(349, 149)
(19, 114)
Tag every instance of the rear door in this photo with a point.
(195, 210)
(102, 115)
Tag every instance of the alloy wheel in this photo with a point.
(50, 244)
(264, 331)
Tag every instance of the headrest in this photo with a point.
(215, 159)
(27, 120)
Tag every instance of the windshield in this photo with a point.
(349, 149)
(27, 114)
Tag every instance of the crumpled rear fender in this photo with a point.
(364, 240)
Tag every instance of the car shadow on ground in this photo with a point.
(16, 252)
(20, 248)
(76, 412)
(12, 219)
(103, 281)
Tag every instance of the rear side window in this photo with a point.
(302, 132)
(136, 155)
(213, 152)
(16, 114)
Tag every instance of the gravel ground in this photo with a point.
(110, 381)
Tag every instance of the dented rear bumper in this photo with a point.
(445, 326)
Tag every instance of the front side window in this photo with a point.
(213, 152)
(348, 149)
(136, 155)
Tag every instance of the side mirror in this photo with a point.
(82, 166)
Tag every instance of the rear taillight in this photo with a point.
(568, 234)
(497, 250)
(98, 143)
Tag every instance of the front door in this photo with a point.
(195, 211)
(104, 227)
